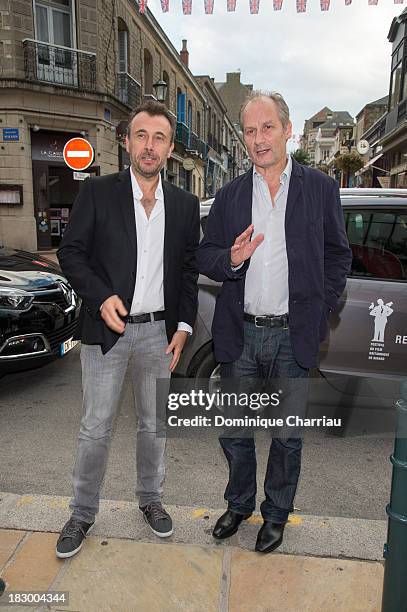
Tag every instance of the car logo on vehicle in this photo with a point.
(67, 292)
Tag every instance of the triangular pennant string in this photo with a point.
(208, 6)
(187, 7)
(254, 6)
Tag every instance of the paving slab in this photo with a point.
(34, 566)
(9, 540)
(111, 575)
(272, 583)
(304, 535)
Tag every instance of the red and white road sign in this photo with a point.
(78, 154)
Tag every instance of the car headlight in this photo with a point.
(15, 300)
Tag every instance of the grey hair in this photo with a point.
(283, 110)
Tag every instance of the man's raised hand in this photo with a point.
(243, 247)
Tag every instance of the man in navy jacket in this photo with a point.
(275, 238)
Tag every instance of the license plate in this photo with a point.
(68, 345)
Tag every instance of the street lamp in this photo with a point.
(160, 90)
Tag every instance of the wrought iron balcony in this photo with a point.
(211, 140)
(193, 141)
(128, 90)
(182, 134)
(202, 149)
(59, 65)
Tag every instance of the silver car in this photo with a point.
(367, 338)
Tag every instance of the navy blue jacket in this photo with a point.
(318, 253)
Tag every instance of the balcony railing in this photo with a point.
(59, 65)
(128, 90)
(193, 141)
(202, 148)
(182, 134)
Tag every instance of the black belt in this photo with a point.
(147, 317)
(267, 320)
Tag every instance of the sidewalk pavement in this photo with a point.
(190, 572)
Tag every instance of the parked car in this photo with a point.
(368, 330)
(38, 311)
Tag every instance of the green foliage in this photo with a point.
(301, 157)
(349, 163)
(324, 168)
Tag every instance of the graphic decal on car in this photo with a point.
(381, 312)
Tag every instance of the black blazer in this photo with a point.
(318, 253)
(98, 253)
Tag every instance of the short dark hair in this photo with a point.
(153, 108)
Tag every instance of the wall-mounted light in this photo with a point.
(35, 128)
(160, 90)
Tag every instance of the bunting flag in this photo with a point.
(254, 6)
(142, 6)
(187, 7)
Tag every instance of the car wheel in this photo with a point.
(208, 371)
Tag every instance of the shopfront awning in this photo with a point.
(368, 164)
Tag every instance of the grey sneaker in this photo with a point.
(157, 519)
(72, 536)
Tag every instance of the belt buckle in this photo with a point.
(259, 317)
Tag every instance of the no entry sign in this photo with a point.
(78, 154)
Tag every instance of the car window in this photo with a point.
(378, 239)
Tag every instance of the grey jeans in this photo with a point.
(143, 346)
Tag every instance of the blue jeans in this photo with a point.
(267, 354)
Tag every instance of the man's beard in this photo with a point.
(147, 173)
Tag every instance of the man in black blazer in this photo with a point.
(275, 237)
(129, 252)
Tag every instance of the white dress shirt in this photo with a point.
(266, 287)
(149, 290)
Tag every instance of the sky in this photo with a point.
(339, 58)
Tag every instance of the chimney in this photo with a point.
(184, 54)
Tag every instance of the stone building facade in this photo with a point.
(233, 94)
(77, 68)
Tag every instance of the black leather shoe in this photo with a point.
(228, 524)
(269, 537)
